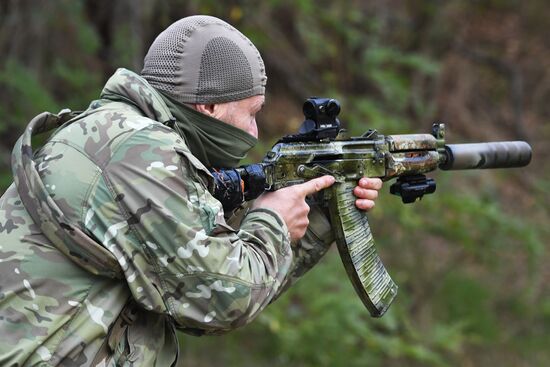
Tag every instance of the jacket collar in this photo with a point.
(127, 86)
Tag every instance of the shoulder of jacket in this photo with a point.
(98, 133)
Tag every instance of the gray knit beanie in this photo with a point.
(202, 59)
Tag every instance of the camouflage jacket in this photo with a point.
(129, 183)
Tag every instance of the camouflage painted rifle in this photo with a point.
(322, 148)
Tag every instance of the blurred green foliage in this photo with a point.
(469, 260)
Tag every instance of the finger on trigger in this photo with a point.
(317, 184)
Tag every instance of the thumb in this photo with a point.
(316, 185)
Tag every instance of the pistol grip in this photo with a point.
(355, 243)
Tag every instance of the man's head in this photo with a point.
(207, 63)
(241, 114)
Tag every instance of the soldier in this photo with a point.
(110, 239)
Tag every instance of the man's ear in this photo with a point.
(207, 109)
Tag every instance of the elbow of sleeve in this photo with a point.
(237, 311)
(223, 306)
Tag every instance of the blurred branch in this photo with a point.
(513, 73)
(288, 62)
(5, 159)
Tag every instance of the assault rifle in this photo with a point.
(321, 147)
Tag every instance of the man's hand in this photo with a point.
(290, 203)
(367, 192)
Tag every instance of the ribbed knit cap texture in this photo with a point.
(202, 59)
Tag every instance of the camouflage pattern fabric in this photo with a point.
(131, 186)
(67, 238)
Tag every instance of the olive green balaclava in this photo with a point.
(202, 59)
(215, 143)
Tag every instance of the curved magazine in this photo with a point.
(355, 243)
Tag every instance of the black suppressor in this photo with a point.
(503, 154)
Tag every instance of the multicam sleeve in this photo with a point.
(203, 273)
(309, 250)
